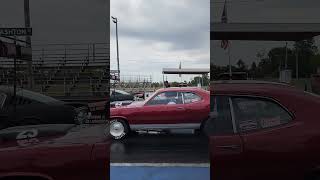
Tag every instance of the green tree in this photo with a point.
(306, 50)
(315, 63)
(253, 70)
(241, 65)
(205, 79)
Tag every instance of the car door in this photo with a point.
(272, 144)
(163, 108)
(226, 147)
(196, 108)
(177, 111)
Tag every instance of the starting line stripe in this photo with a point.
(197, 165)
(160, 171)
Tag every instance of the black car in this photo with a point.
(118, 95)
(31, 108)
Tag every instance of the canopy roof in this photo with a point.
(185, 71)
(264, 31)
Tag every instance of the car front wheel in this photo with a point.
(118, 129)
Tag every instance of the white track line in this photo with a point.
(204, 165)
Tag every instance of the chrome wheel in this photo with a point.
(117, 129)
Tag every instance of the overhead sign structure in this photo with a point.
(264, 31)
(15, 31)
(185, 71)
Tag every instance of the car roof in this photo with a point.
(8, 89)
(252, 87)
(181, 89)
(121, 92)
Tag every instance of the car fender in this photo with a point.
(118, 117)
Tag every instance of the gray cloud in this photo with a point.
(155, 34)
(183, 24)
(59, 21)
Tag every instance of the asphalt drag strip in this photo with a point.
(162, 148)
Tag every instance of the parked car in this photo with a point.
(44, 138)
(117, 98)
(261, 130)
(118, 95)
(55, 152)
(31, 108)
(168, 108)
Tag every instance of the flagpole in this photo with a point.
(226, 44)
(230, 69)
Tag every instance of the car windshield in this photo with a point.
(151, 95)
(36, 96)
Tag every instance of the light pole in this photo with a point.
(115, 20)
(286, 60)
(28, 40)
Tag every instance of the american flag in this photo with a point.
(224, 19)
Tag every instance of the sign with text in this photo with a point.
(15, 31)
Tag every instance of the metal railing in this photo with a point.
(53, 61)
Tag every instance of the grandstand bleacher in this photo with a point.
(64, 71)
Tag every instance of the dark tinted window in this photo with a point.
(258, 113)
(220, 121)
(33, 96)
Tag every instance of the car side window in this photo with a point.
(20, 101)
(220, 120)
(166, 98)
(190, 97)
(258, 113)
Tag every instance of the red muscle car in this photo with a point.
(168, 108)
(261, 130)
(54, 152)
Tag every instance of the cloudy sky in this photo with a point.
(156, 34)
(261, 11)
(59, 21)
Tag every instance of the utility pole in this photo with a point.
(115, 20)
(297, 63)
(230, 67)
(28, 40)
(15, 74)
(286, 60)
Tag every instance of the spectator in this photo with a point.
(166, 84)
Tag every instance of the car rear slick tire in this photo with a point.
(118, 129)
